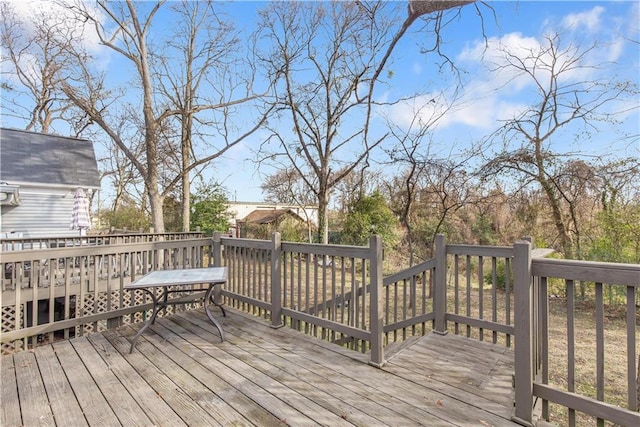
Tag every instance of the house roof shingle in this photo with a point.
(47, 159)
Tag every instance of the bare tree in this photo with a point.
(619, 221)
(34, 63)
(328, 58)
(561, 102)
(165, 94)
(206, 89)
(287, 187)
(414, 152)
(129, 38)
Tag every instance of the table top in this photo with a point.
(189, 276)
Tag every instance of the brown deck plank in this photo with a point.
(459, 380)
(10, 407)
(199, 349)
(34, 404)
(129, 411)
(94, 406)
(417, 402)
(65, 407)
(310, 382)
(205, 370)
(181, 374)
(351, 391)
(428, 398)
(187, 377)
(240, 381)
(483, 369)
(271, 385)
(165, 387)
(153, 405)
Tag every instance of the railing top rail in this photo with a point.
(97, 236)
(92, 250)
(488, 251)
(410, 272)
(246, 243)
(541, 252)
(591, 271)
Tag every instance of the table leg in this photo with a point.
(209, 299)
(156, 308)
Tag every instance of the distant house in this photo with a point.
(39, 175)
(259, 220)
(260, 224)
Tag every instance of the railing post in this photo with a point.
(523, 332)
(440, 291)
(216, 249)
(276, 282)
(376, 310)
(216, 256)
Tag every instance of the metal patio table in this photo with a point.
(163, 279)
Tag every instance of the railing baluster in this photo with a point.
(507, 291)
(468, 302)
(481, 294)
(494, 296)
(543, 319)
(456, 290)
(633, 376)
(571, 345)
(599, 302)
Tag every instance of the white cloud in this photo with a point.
(615, 50)
(489, 64)
(32, 11)
(419, 111)
(589, 20)
(476, 109)
(494, 93)
(498, 91)
(491, 57)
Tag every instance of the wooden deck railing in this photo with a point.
(533, 276)
(338, 293)
(18, 244)
(77, 289)
(328, 291)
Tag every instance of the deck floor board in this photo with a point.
(66, 409)
(34, 405)
(181, 374)
(154, 406)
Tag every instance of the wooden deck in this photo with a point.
(181, 374)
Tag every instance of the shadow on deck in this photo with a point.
(181, 374)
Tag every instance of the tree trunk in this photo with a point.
(556, 211)
(323, 224)
(423, 7)
(157, 211)
(186, 182)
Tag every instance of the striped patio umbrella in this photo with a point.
(80, 218)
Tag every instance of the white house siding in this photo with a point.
(42, 213)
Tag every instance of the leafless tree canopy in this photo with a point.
(561, 101)
(188, 90)
(326, 59)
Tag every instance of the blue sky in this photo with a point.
(487, 98)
